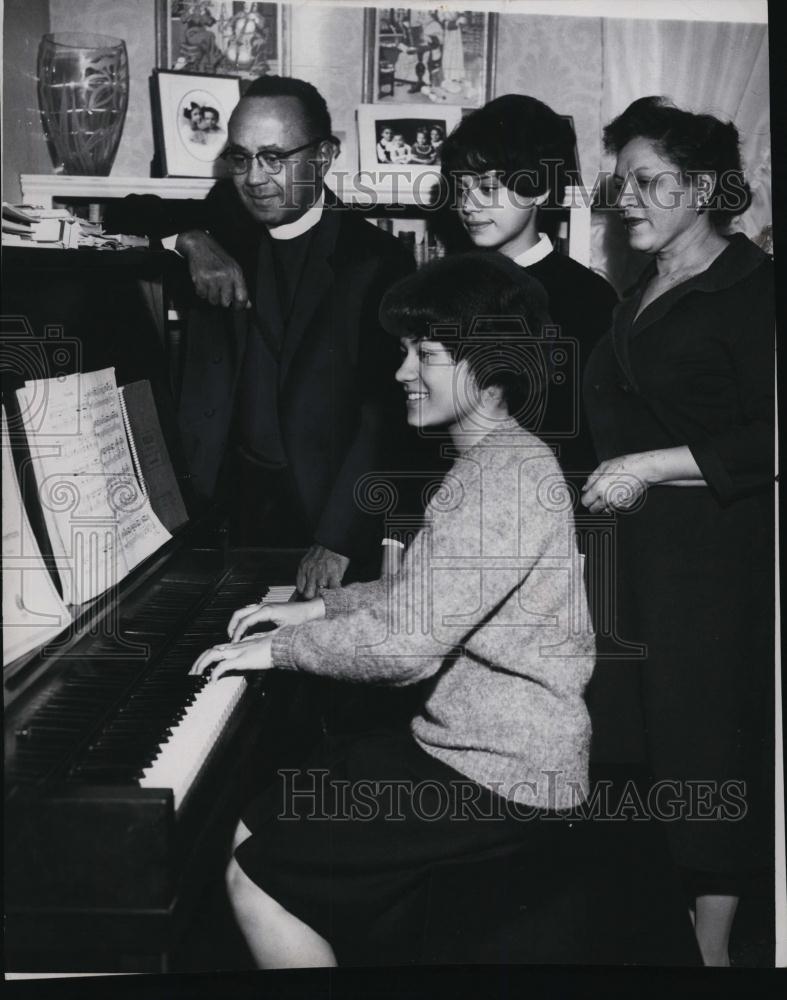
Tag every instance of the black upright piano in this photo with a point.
(104, 870)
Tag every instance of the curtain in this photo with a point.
(710, 67)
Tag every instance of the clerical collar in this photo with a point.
(536, 253)
(309, 219)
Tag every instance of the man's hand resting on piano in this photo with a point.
(291, 613)
(320, 567)
(217, 277)
(251, 653)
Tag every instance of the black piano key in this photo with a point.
(121, 708)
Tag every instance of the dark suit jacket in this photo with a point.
(331, 397)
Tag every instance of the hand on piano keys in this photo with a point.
(251, 653)
(274, 613)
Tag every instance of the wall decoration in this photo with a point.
(83, 97)
(190, 114)
(403, 138)
(419, 56)
(223, 37)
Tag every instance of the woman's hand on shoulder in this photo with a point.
(617, 483)
(289, 613)
(252, 653)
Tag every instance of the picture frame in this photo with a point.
(413, 124)
(223, 38)
(190, 115)
(429, 56)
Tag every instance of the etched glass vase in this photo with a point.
(83, 97)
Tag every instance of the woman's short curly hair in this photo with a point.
(694, 143)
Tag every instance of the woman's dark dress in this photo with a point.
(695, 564)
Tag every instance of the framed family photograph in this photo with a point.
(403, 138)
(190, 113)
(435, 56)
(223, 37)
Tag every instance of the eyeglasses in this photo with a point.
(271, 161)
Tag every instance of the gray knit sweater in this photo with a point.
(490, 603)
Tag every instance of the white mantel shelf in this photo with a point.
(362, 189)
(41, 190)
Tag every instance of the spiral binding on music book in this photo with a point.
(131, 443)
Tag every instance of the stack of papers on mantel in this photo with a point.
(35, 226)
(24, 226)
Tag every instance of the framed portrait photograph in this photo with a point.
(403, 138)
(223, 37)
(429, 56)
(190, 113)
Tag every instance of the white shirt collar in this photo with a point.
(309, 219)
(536, 253)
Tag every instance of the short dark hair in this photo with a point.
(315, 110)
(530, 144)
(694, 143)
(484, 309)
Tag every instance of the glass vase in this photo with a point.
(83, 97)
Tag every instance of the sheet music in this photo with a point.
(100, 522)
(150, 455)
(33, 612)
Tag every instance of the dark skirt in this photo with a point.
(695, 590)
(347, 842)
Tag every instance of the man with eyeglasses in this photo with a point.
(288, 394)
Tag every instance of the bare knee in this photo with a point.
(246, 897)
(237, 883)
(276, 938)
(242, 832)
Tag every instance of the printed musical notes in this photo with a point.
(150, 454)
(98, 516)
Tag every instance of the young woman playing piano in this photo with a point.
(488, 611)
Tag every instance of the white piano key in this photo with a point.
(182, 756)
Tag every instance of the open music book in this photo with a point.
(104, 480)
(33, 612)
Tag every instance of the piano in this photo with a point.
(124, 776)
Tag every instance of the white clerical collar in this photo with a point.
(536, 253)
(309, 219)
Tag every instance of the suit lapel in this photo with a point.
(315, 281)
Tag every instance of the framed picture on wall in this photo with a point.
(435, 56)
(223, 37)
(190, 115)
(403, 138)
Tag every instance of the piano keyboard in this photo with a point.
(142, 720)
(184, 753)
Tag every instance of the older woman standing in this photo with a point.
(680, 399)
